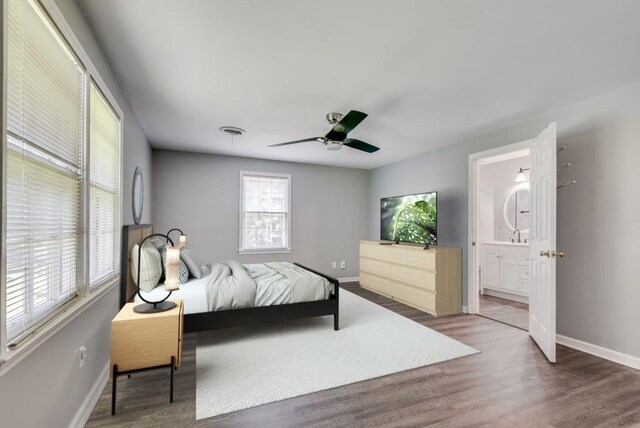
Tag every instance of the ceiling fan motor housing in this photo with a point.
(333, 145)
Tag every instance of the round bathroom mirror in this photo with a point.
(516, 209)
(137, 195)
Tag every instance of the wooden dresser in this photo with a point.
(429, 280)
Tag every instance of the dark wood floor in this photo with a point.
(505, 311)
(508, 384)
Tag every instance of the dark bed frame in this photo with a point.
(135, 233)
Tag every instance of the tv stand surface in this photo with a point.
(427, 279)
(408, 244)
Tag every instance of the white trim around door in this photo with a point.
(473, 260)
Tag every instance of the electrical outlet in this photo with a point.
(334, 265)
(82, 355)
(343, 265)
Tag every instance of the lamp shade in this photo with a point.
(173, 265)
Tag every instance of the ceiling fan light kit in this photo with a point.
(337, 136)
(333, 117)
(333, 145)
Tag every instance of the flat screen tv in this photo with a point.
(410, 218)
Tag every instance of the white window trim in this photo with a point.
(9, 359)
(282, 250)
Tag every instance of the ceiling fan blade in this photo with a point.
(360, 145)
(297, 141)
(348, 122)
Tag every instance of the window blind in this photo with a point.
(45, 86)
(265, 212)
(104, 188)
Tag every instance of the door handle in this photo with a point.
(544, 253)
(557, 254)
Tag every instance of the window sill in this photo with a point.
(266, 251)
(13, 357)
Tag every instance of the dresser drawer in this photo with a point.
(376, 267)
(375, 283)
(424, 300)
(372, 251)
(421, 279)
(414, 257)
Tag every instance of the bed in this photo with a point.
(197, 315)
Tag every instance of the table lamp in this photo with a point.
(171, 282)
(182, 241)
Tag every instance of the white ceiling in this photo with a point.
(428, 72)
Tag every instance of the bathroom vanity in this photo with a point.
(504, 270)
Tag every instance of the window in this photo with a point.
(104, 191)
(265, 205)
(62, 183)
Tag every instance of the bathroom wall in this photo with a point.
(496, 181)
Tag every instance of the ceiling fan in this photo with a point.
(337, 137)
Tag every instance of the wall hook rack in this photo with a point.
(568, 183)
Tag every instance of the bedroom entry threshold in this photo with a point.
(507, 312)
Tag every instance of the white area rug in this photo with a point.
(240, 368)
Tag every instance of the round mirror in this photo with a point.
(137, 195)
(516, 209)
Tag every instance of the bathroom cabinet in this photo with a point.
(505, 268)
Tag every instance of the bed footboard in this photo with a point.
(336, 295)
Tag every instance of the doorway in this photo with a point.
(502, 237)
(514, 251)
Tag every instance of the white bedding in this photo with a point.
(221, 289)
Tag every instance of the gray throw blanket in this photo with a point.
(232, 285)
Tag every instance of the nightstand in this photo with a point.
(145, 341)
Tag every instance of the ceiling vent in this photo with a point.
(232, 130)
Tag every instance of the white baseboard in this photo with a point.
(83, 413)
(349, 279)
(599, 351)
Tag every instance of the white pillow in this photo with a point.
(150, 267)
(194, 266)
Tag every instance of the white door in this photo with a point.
(542, 298)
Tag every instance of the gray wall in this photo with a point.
(200, 193)
(46, 389)
(598, 226)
